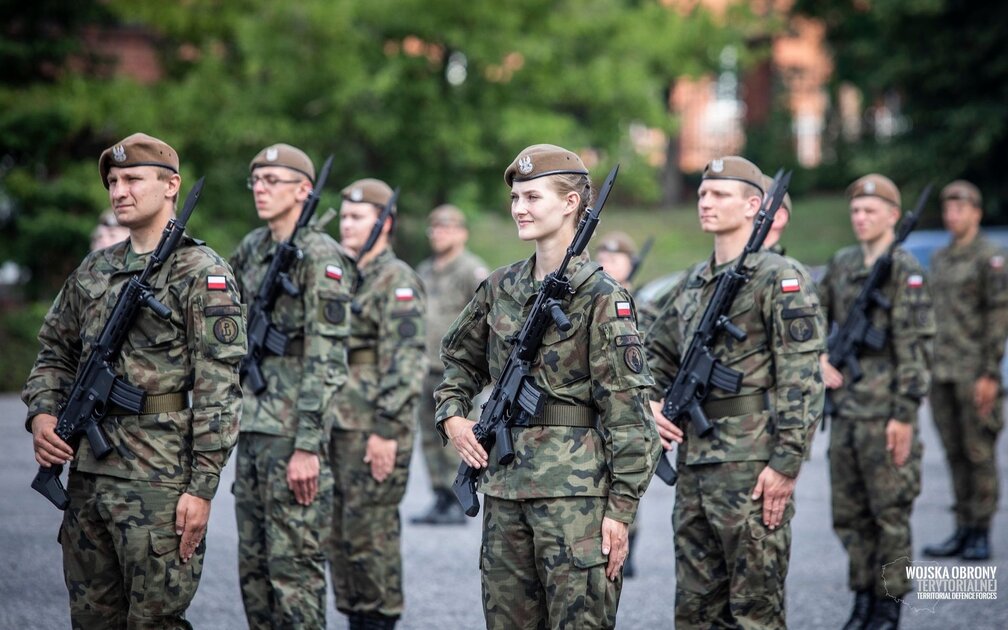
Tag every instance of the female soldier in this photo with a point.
(554, 520)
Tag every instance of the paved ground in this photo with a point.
(441, 577)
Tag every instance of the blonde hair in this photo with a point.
(564, 183)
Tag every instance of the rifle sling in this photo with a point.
(736, 406)
(559, 415)
(156, 403)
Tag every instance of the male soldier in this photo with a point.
(733, 502)
(970, 287)
(450, 278)
(781, 219)
(373, 435)
(132, 535)
(874, 452)
(108, 232)
(283, 487)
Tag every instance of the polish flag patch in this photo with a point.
(216, 283)
(790, 285)
(623, 309)
(915, 281)
(997, 262)
(334, 272)
(404, 294)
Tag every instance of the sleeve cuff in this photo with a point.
(621, 508)
(904, 409)
(203, 485)
(787, 464)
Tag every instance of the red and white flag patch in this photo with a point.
(997, 262)
(790, 285)
(623, 309)
(216, 283)
(404, 294)
(915, 281)
(334, 272)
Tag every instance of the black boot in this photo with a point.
(864, 604)
(375, 621)
(356, 621)
(886, 614)
(629, 570)
(953, 546)
(446, 510)
(977, 545)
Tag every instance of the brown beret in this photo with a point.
(617, 243)
(368, 190)
(138, 149)
(767, 183)
(962, 189)
(286, 156)
(735, 168)
(447, 214)
(875, 185)
(540, 160)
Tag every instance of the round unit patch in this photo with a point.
(634, 358)
(226, 330)
(800, 329)
(334, 311)
(407, 329)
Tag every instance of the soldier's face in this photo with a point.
(616, 264)
(139, 197)
(445, 237)
(539, 210)
(872, 218)
(723, 206)
(278, 191)
(960, 217)
(356, 221)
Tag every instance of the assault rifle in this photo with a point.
(846, 343)
(263, 337)
(515, 395)
(97, 388)
(700, 369)
(638, 260)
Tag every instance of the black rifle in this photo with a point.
(372, 238)
(845, 344)
(515, 395)
(638, 260)
(263, 337)
(97, 388)
(700, 369)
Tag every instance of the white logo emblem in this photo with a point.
(119, 153)
(525, 165)
(869, 187)
(356, 194)
(717, 166)
(271, 153)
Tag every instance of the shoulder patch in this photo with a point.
(790, 285)
(997, 262)
(225, 330)
(404, 294)
(915, 281)
(623, 309)
(216, 283)
(334, 272)
(633, 356)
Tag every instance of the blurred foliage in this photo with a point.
(945, 65)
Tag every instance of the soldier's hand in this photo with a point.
(898, 438)
(615, 544)
(303, 476)
(191, 516)
(460, 431)
(50, 450)
(775, 489)
(667, 430)
(985, 391)
(832, 377)
(380, 453)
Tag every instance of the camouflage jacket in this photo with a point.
(301, 385)
(197, 350)
(779, 311)
(898, 376)
(449, 289)
(970, 288)
(387, 328)
(598, 364)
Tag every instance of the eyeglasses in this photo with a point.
(269, 181)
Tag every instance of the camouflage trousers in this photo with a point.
(730, 567)
(281, 544)
(541, 565)
(442, 462)
(365, 557)
(872, 500)
(120, 554)
(969, 442)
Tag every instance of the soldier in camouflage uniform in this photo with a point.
(874, 452)
(372, 437)
(132, 535)
(450, 278)
(734, 495)
(970, 287)
(555, 520)
(284, 485)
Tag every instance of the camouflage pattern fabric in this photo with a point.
(379, 398)
(197, 350)
(448, 289)
(872, 498)
(970, 287)
(730, 569)
(281, 544)
(599, 364)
